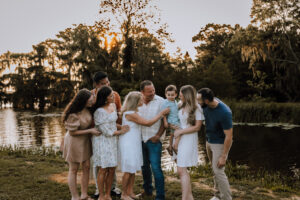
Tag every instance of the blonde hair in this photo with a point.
(190, 102)
(131, 101)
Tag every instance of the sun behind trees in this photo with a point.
(259, 62)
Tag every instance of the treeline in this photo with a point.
(257, 63)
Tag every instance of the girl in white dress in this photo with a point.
(191, 117)
(130, 144)
(105, 146)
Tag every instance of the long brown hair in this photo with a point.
(77, 104)
(190, 102)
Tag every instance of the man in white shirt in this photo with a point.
(151, 144)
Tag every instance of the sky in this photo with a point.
(24, 23)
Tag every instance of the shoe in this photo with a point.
(116, 192)
(214, 198)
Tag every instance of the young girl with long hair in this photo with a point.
(77, 142)
(105, 146)
(130, 144)
(191, 117)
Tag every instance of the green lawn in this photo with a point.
(24, 174)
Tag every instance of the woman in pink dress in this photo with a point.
(77, 142)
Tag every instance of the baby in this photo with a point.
(172, 120)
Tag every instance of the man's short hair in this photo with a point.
(144, 84)
(99, 76)
(171, 88)
(206, 93)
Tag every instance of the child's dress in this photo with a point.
(130, 147)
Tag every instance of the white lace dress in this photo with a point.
(130, 147)
(105, 146)
(188, 145)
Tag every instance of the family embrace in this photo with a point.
(108, 136)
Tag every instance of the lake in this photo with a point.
(260, 146)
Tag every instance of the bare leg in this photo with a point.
(72, 179)
(109, 180)
(100, 180)
(169, 148)
(125, 183)
(130, 186)
(85, 178)
(185, 183)
(175, 145)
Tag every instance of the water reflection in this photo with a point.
(269, 146)
(30, 129)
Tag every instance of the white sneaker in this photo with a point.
(215, 198)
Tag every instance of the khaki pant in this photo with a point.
(214, 151)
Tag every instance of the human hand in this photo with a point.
(172, 126)
(155, 139)
(95, 132)
(221, 162)
(165, 112)
(124, 129)
(177, 133)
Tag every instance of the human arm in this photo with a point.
(227, 145)
(72, 124)
(103, 123)
(109, 132)
(134, 117)
(166, 124)
(191, 129)
(160, 132)
(92, 131)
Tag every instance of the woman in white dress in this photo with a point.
(105, 146)
(191, 117)
(130, 143)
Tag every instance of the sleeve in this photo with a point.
(72, 123)
(118, 101)
(164, 105)
(199, 114)
(102, 123)
(227, 121)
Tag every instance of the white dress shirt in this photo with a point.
(149, 111)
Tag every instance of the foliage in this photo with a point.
(258, 62)
(263, 112)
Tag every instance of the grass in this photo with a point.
(264, 112)
(24, 174)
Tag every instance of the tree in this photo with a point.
(130, 16)
(218, 77)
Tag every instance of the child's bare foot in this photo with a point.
(170, 150)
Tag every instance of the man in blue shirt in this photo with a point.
(218, 125)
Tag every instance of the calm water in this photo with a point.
(270, 146)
